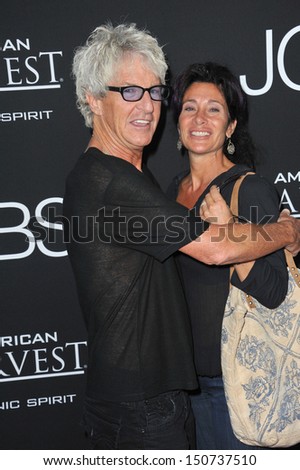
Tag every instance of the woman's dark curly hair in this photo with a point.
(236, 100)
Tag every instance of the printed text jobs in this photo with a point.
(28, 235)
(270, 66)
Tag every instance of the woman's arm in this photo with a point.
(233, 243)
(267, 278)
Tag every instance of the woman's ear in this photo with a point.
(231, 128)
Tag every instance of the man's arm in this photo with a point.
(238, 243)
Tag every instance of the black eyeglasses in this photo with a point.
(135, 93)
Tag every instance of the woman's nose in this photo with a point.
(200, 117)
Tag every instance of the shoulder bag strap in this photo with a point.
(234, 206)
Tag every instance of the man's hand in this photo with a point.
(214, 209)
(286, 218)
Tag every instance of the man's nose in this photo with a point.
(146, 101)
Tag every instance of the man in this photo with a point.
(122, 231)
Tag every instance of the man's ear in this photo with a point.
(95, 104)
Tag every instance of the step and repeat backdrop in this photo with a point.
(43, 347)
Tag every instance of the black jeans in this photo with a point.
(162, 422)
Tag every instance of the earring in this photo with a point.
(230, 146)
(179, 145)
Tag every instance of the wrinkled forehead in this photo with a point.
(133, 61)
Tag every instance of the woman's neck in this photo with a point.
(203, 170)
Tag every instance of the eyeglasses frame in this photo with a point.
(121, 89)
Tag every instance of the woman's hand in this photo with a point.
(285, 217)
(214, 209)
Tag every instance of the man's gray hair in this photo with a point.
(94, 63)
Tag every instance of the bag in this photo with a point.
(260, 354)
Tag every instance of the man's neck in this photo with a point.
(134, 158)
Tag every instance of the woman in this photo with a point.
(211, 113)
